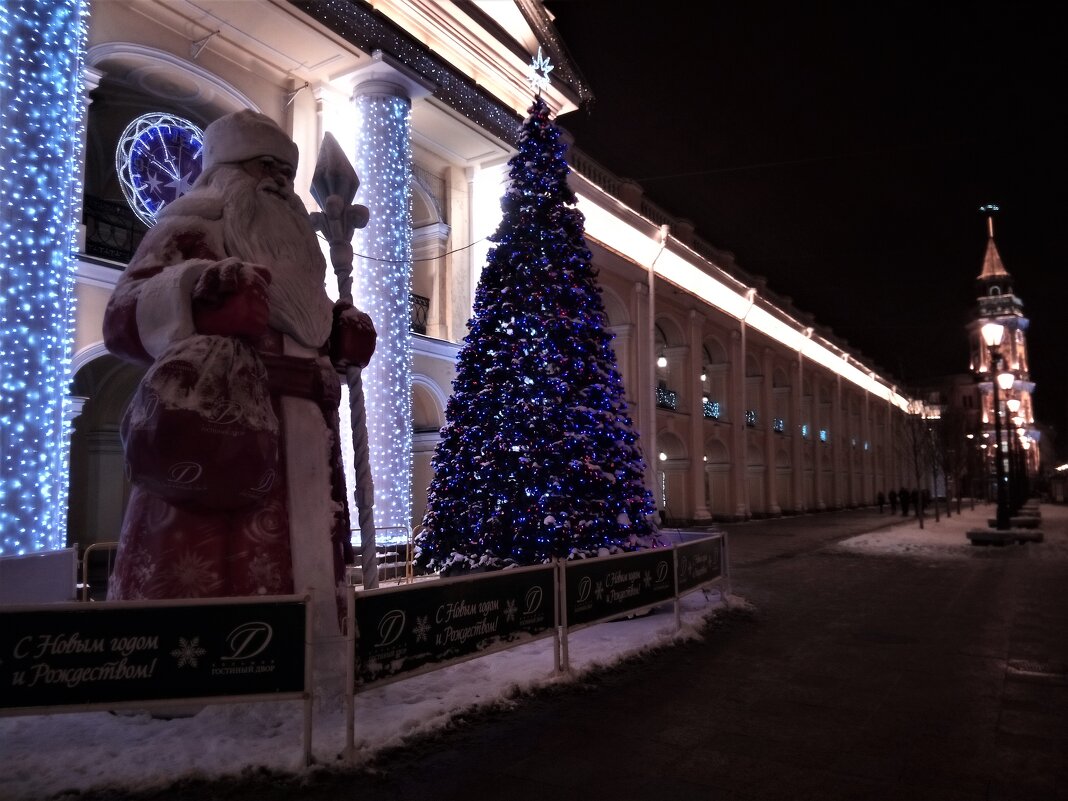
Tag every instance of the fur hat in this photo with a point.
(245, 135)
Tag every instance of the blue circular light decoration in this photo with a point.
(157, 159)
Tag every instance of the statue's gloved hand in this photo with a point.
(230, 299)
(353, 338)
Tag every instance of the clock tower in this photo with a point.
(998, 303)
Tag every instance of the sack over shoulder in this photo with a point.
(200, 430)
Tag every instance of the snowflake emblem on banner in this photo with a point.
(510, 609)
(598, 590)
(188, 651)
(539, 70)
(421, 628)
(647, 578)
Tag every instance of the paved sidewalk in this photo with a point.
(849, 675)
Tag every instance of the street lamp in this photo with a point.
(992, 334)
(1012, 435)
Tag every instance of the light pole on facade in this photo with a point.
(992, 334)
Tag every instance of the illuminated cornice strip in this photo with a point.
(724, 294)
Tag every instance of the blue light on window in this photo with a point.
(750, 417)
(804, 430)
(711, 409)
(778, 425)
(823, 435)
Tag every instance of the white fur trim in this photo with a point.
(165, 305)
(246, 135)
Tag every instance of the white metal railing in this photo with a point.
(85, 580)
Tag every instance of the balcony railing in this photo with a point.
(420, 307)
(666, 398)
(112, 231)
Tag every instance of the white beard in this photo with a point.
(263, 227)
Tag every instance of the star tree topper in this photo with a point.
(539, 72)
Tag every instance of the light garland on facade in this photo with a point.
(42, 122)
(381, 283)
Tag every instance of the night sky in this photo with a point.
(844, 155)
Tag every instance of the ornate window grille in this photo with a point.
(420, 307)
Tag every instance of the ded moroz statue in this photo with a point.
(231, 440)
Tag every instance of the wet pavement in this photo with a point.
(845, 676)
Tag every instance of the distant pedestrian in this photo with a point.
(893, 502)
(903, 496)
(880, 499)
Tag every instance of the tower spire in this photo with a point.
(992, 264)
(990, 209)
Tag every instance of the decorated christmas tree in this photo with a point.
(538, 458)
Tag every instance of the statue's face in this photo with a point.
(268, 168)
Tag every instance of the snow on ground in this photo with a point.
(60, 755)
(948, 538)
(50, 756)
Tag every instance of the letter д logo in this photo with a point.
(226, 412)
(661, 571)
(584, 588)
(532, 600)
(248, 640)
(266, 482)
(390, 627)
(185, 472)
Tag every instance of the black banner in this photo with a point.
(605, 587)
(111, 652)
(700, 562)
(445, 620)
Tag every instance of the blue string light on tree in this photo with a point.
(42, 125)
(538, 459)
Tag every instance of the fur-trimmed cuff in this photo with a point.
(165, 305)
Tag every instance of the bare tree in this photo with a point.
(914, 448)
(953, 450)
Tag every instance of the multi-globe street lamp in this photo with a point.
(992, 335)
(1013, 435)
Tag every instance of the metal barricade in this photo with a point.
(388, 555)
(85, 580)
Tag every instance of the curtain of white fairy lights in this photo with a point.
(382, 277)
(42, 120)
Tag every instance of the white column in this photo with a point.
(382, 276)
(694, 391)
(771, 505)
(797, 457)
(645, 386)
(740, 460)
(838, 440)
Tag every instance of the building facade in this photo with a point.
(746, 407)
